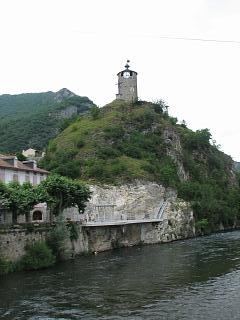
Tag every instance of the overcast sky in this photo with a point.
(82, 44)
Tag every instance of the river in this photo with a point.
(191, 279)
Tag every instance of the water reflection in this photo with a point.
(193, 279)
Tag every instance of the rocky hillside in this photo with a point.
(122, 143)
(32, 119)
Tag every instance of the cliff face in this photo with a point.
(141, 201)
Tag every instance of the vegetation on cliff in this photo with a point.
(122, 142)
(32, 119)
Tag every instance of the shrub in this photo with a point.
(38, 256)
(96, 169)
(168, 174)
(95, 112)
(114, 132)
(80, 143)
(73, 229)
(198, 140)
(58, 237)
(70, 169)
(133, 151)
(5, 266)
(117, 168)
(107, 152)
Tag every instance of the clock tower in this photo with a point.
(127, 85)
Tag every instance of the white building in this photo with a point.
(11, 169)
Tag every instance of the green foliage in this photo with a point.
(95, 112)
(73, 229)
(113, 131)
(19, 199)
(160, 106)
(212, 202)
(61, 193)
(173, 120)
(168, 174)
(32, 119)
(58, 237)
(5, 266)
(202, 225)
(20, 156)
(38, 256)
(129, 142)
(107, 152)
(57, 191)
(198, 140)
(64, 123)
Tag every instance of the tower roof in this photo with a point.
(127, 66)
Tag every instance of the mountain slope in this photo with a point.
(32, 119)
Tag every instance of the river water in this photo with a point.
(191, 279)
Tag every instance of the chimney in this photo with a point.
(32, 164)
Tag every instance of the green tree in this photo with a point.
(198, 140)
(61, 193)
(21, 157)
(58, 237)
(19, 199)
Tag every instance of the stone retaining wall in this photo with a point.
(178, 223)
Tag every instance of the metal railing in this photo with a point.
(106, 214)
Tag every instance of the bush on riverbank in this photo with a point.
(38, 256)
(5, 266)
(58, 238)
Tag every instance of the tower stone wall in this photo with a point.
(127, 85)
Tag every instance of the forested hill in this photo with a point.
(32, 119)
(122, 143)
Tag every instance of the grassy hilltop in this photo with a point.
(121, 142)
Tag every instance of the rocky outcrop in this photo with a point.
(63, 94)
(141, 201)
(67, 112)
(174, 151)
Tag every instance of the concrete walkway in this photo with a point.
(118, 222)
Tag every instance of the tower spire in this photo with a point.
(127, 64)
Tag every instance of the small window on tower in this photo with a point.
(131, 73)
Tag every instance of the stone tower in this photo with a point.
(127, 85)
